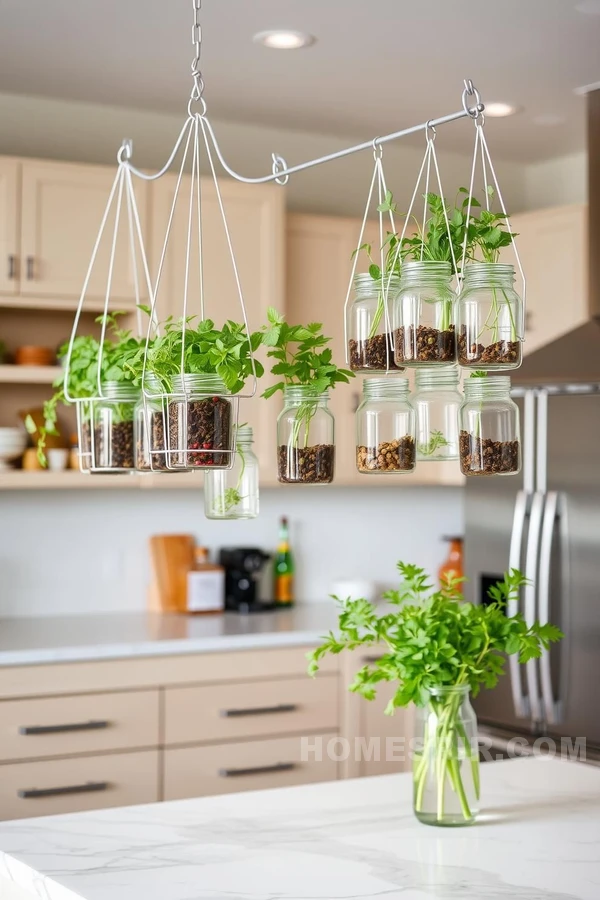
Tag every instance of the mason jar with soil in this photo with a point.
(149, 430)
(423, 313)
(368, 324)
(385, 428)
(489, 438)
(490, 318)
(200, 423)
(305, 437)
(113, 445)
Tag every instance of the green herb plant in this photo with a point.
(436, 441)
(434, 639)
(302, 358)
(231, 497)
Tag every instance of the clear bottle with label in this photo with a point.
(423, 315)
(489, 436)
(490, 318)
(201, 423)
(370, 341)
(233, 493)
(305, 437)
(437, 400)
(113, 437)
(385, 428)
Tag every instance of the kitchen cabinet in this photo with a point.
(255, 218)
(62, 205)
(552, 245)
(9, 225)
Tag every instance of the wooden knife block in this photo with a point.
(172, 557)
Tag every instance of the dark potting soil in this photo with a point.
(487, 457)
(505, 352)
(306, 465)
(114, 446)
(431, 345)
(373, 353)
(208, 429)
(390, 456)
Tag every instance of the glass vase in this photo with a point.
(233, 493)
(446, 761)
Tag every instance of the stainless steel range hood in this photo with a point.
(575, 357)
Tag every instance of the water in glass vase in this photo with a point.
(446, 762)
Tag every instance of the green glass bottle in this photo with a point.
(283, 570)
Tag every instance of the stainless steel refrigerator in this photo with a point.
(546, 522)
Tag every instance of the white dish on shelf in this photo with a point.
(12, 444)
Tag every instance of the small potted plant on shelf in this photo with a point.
(439, 649)
(490, 312)
(198, 369)
(305, 427)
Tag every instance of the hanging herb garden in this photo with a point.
(305, 428)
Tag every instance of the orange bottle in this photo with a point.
(453, 565)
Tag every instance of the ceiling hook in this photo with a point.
(377, 149)
(125, 151)
(279, 165)
(430, 132)
(471, 91)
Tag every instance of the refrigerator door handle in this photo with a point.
(555, 509)
(520, 702)
(531, 589)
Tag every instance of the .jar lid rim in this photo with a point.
(436, 374)
(365, 279)
(390, 387)
(199, 380)
(482, 267)
(304, 390)
(119, 390)
(244, 433)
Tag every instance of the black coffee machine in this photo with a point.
(243, 566)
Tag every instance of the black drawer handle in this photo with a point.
(258, 710)
(373, 659)
(87, 788)
(92, 725)
(257, 770)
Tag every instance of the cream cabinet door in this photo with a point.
(9, 225)
(552, 245)
(62, 209)
(255, 218)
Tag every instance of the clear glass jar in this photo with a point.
(84, 434)
(385, 428)
(423, 315)
(490, 318)
(489, 439)
(149, 421)
(370, 343)
(446, 759)
(201, 423)
(113, 444)
(233, 493)
(437, 401)
(305, 437)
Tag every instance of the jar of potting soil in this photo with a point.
(436, 401)
(149, 427)
(200, 423)
(489, 440)
(305, 437)
(423, 315)
(490, 318)
(233, 493)
(113, 437)
(370, 341)
(385, 428)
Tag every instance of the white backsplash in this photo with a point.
(86, 552)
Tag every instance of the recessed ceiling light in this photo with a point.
(284, 40)
(588, 7)
(500, 110)
(548, 120)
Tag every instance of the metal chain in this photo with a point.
(198, 88)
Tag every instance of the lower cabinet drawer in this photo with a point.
(51, 787)
(225, 712)
(79, 723)
(245, 766)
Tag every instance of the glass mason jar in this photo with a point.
(423, 315)
(446, 759)
(149, 430)
(233, 493)
(84, 434)
(490, 318)
(370, 344)
(305, 437)
(385, 428)
(113, 443)
(437, 401)
(489, 440)
(201, 423)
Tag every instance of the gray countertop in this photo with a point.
(29, 641)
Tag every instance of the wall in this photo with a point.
(86, 552)
(57, 129)
(557, 182)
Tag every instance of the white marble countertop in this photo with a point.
(29, 641)
(537, 839)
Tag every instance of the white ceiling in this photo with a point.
(377, 66)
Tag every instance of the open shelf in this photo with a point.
(70, 479)
(11, 374)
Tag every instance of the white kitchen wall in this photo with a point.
(86, 551)
(557, 182)
(79, 132)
